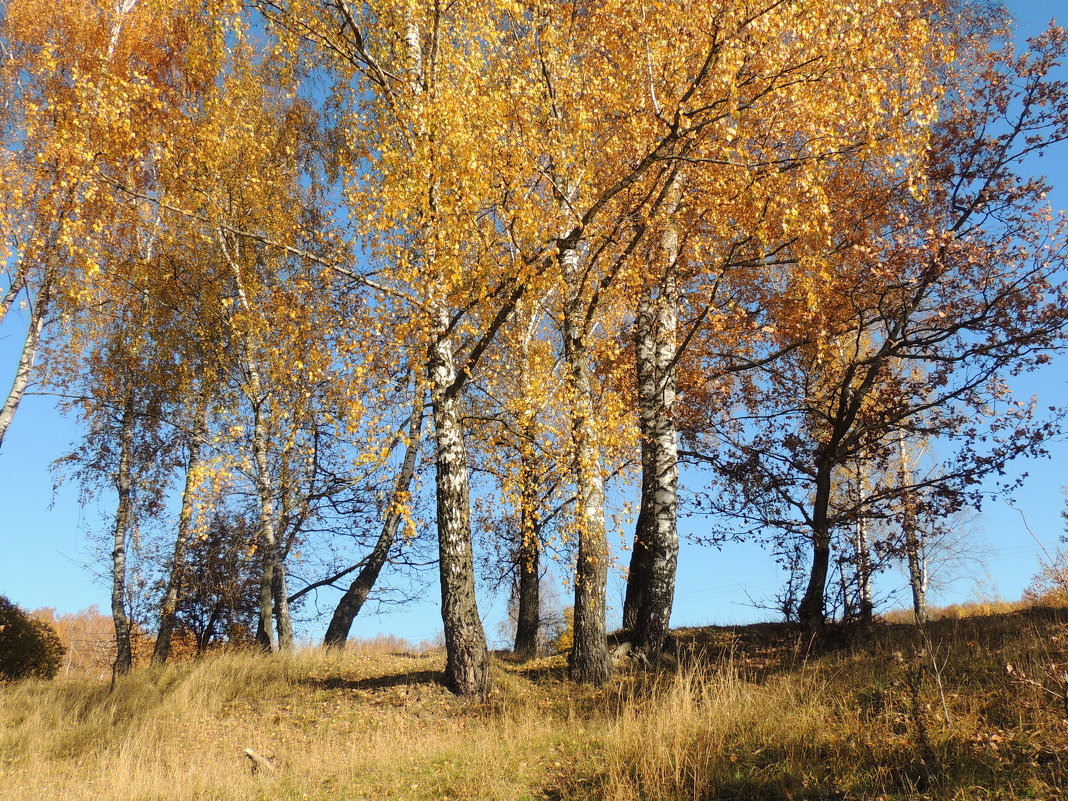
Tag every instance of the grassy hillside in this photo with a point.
(757, 712)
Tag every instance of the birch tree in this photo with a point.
(72, 96)
(756, 184)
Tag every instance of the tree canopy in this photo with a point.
(258, 243)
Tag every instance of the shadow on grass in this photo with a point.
(429, 677)
(542, 673)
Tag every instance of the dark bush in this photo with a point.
(28, 647)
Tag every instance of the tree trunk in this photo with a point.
(169, 604)
(283, 620)
(917, 575)
(913, 546)
(40, 309)
(638, 573)
(24, 370)
(354, 598)
(266, 532)
(528, 614)
(656, 539)
(589, 655)
(123, 515)
(467, 666)
(266, 537)
(528, 562)
(864, 572)
(811, 610)
(122, 8)
(467, 661)
(17, 277)
(266, 637)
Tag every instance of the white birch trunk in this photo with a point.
(913, 545)
(864, 571)
(122, 8)
(169, 603)
(656, 544)
(589, 655)
(123, 515)
(283, 620)
(467, 667)
(267, 539)
(272, 596)
(467, 664)
(24, 370)
(17, 273)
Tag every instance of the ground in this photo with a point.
(969, 709)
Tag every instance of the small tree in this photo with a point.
(220, 583)
(1049, 586)
(28, 647)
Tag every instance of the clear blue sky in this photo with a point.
(49, 556)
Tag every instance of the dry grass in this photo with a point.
(750, 713)
(966, 610)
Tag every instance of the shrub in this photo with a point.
(28, 647)
(1049, 587)
(562, 634)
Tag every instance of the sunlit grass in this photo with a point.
(753, 713)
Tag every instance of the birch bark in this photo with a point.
(123, 520)
(651, 583)
(24, 370)
(273, 601)
(283, 620)
(267, 540)
(467, 665)
(169, 603)
(864, 571)
(528, 616)
(913, 545)
(589, 655)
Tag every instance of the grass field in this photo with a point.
(975, 709)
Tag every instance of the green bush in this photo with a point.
(28, 647)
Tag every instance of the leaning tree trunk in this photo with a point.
(467, 666)
(354, 598)
(169, 604)
(24, 370)
(123, 519)
(17, 278)
(651, 584)
(589, 654)
(40, 309)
